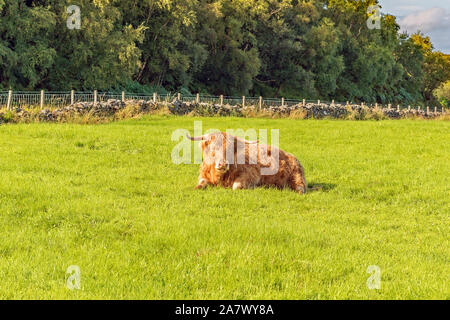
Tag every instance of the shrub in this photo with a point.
(442, 94)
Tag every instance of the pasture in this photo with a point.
(108, 199)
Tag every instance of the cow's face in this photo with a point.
(214, 152)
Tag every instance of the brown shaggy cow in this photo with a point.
(232, 162)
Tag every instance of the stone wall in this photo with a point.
(310, 110)
(111, 107)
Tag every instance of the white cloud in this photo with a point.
(426, 20)
(434, 22)
(406, 7)
(409, 8)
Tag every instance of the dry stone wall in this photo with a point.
(310, 110)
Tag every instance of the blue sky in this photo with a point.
(432, 17)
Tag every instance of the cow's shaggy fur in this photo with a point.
(228, 172)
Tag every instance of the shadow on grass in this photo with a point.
(312, 187)
(320, 186)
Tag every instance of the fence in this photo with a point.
(40, 99)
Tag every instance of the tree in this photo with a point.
(26, 52)
(99, 55)
(442, 94)
(326, 61)
(436, 67)
(225, 30)
(37, 50)
(313, 49)
(170, 54)
(282, 32)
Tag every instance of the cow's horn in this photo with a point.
(195, 138)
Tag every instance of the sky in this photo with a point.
(432, 17)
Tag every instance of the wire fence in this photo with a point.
(41, 99)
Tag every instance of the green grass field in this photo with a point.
(108, 199)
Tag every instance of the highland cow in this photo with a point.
(232, 162)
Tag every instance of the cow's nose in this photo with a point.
(221, 164)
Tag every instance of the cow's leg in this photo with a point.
(246, 180)
(202, 183)
(297, 180)
(237, 185)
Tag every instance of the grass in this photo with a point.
(108, 198)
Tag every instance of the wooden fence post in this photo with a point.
(318, 101)
(376, 105)
(243, 101)
(179, 96)
(409, 108)
(123, 96)
(8, 104)
(197, 98)
(282, 102)
(398, 107)
(304, 102)
(154, 97)
(428, 109)
(346, 103)
(95, 97)
(389, 106)
(42, 99)
(260, 103)
(72, 96)
(221, 99)
(435, 109)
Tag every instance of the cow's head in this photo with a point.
(219, 149)
(214, 148)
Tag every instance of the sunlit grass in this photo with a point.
(108, 199)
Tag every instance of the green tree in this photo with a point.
(319, 49)
(26, 51)
(170, 54)
(37, 50)
(100, 54)
(436, 67)
(225, 30)
(442, 94)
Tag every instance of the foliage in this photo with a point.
(436, 66)
(37, 50)
(315, 49)
(136, 87)
(442, 94)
